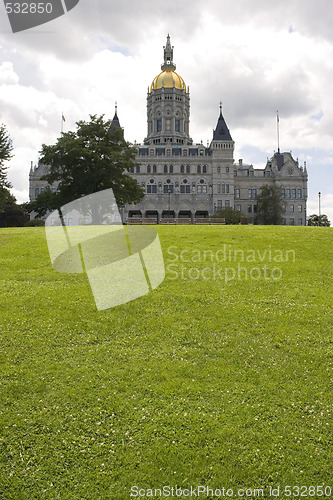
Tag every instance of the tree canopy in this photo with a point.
(269, 205)
(93, 158)
(318, 220)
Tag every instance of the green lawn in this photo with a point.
(211, 379)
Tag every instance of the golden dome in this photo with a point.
(168, 79)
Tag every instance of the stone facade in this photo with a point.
(183, 179)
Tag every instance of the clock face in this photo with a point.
(290, 170)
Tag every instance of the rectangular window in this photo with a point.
(292, 208)
(300, 208)
(138, 169)
(154, 169)
(227, 188)
(254, 193)
(148, 169)
(151, 152)
(300, 222)
(182, 169)
(159, 125)
(268, 174)
(294, 193)
(36, 192)
(154, 188)
(165, 169)
(288, 193)
(283, 193)
(249, 209)
(251, 173)
(188, 169)
(238, 208)
(177, 126)
(299, 193)
(227, 204)
(249, 193)
(227, 170)
(292, 222)
(219, 204)
(218, 170)
(184, 152)
(223, 188)
(171, 169)
(204, 169)
(219, 188)
(237, 193)
(149, 186)
(235, 173)
(199, 169)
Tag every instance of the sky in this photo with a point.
(256, 56)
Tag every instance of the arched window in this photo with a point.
(199, 169)
(185, 187)
(204, 169)
(151, 187)
(168, 187)
(202, 187)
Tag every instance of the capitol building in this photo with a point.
(183, 179)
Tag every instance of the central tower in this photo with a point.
(168, 105)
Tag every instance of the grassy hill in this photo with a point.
(221, 377)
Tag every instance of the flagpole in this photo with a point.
(278, 130)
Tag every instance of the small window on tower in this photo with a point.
(177, 126)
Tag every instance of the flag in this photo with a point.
(278, 119)
(63, 118)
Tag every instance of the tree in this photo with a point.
(6, 149)
(269, 206)
(230, 215)
(318, 220)
(45, 201)
(94, 158)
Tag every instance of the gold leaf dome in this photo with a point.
(168, 79)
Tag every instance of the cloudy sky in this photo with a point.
(256, 56)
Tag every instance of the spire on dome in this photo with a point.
(168, 64)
